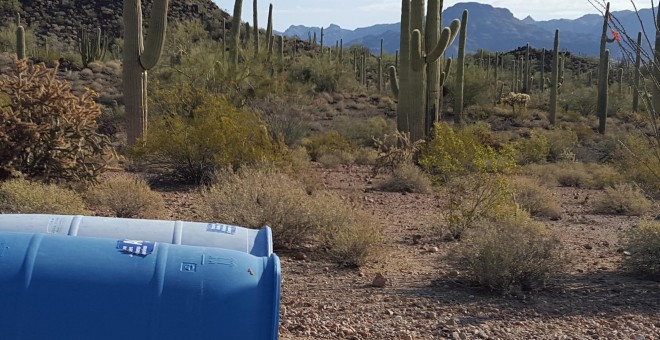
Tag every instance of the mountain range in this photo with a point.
(496, 29)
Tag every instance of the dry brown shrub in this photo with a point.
(511, 255)
(407, 178)
(19, 196)
(258, 197)
(643, 246)
(533, 196)
(622, 199)
(127, 196)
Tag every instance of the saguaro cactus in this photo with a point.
(638, 62)
(602, 92)
(411, 112)
(526, 72)
(554, 79)
(460, 71)
(603, 72)
(138, 59)
(235, 33)
(255, 27)
(92, 47)
(542, 70)
(20, 38)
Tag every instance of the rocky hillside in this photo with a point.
(63, 18)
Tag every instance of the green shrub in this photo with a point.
(322, 76)
(127, 196)
(622, 199)
(638, 160)
(533, 196)
(643, 246)
(534, 149)
(331, 142)
(19, 196)
(259, 197)
(407, 178)
(47, 132)
(575, 174)
(453, 152)
(559, 142)
(285, 118)
(510, 255)
(366, 132)
(472, 200)
(210, 135)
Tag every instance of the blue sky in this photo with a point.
(361, 13)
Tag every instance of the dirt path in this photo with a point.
(593, 300)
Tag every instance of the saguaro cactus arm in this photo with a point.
(156, 35)
(394, 81)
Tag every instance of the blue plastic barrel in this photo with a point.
(218, 235)
(58, 287)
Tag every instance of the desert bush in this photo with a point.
(258, 197)
(20, 196)
(204, 135)
(394, 151)
(581, 99)
(366, 132)
(47, 132)
(285, 118)
(638, 159)
(322, 76)
(366, 156)
(622, 199)
(471, 200)
(643, 245)
(534, 149)
(559, 142)
(575, 174)
(533, 196)
(512, 255)
(454, 152)
(127, 196)
(327, 143)
(407, 178)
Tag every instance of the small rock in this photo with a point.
(379, 281)
(434, 250)
(588, 246)
(627, 253)
(299, 256)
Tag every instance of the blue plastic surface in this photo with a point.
(218, 235)
(58, 287)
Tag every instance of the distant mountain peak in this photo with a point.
(528, 20)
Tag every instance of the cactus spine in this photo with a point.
(638, 62)
(554, 79)
(139, 57)
(20, 38)
(460, 70)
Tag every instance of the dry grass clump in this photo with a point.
(575, 174)
(127, 196)
(643, 245)
(19, 196)
(622, 199)
(510, 255)
(407, 178)
(258, 197)
(533, 196)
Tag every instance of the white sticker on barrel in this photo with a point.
(136, 247)
(221, 228)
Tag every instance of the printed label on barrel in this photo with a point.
(136, 247)
(221, 228)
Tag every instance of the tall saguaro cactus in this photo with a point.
(235, 33)
(138, 59)
(526, 72)
(554, 79)
(255, 28)
(638, 62)
(603, 72)
(460, 70)
(20, 38)
(411, 88)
